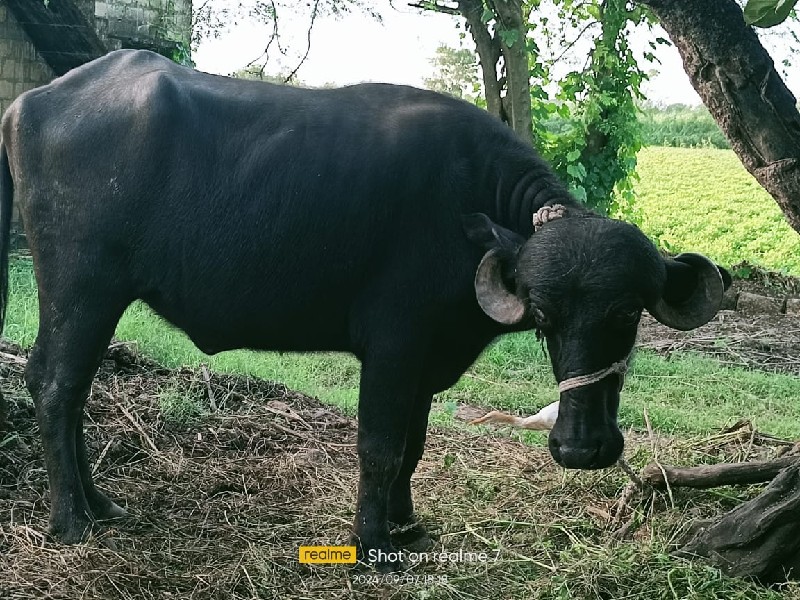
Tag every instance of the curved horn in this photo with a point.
(493, 296)
(702, 302)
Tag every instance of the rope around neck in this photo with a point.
(620, 368)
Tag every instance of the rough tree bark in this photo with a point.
(736, 79)
(760, 538)
(517, 102)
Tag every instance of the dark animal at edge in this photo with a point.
(386, 221)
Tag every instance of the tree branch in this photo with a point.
(708, 476)
(314, 14)
(435, 7)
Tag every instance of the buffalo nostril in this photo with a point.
(576, 457)
(555, 450)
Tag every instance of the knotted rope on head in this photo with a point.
(547, 214)
(619, 367)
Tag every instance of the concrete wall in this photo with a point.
(21, 69)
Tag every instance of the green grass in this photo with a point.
(703, 200)
(179, 408)
(683, 395)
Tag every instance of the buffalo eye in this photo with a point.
(628, 317)
(542, 321)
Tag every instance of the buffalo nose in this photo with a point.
(597, 456)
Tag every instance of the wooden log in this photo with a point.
(758, 539)
(708, 476)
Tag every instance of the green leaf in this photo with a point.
(577, 170)
(573, 155)
(487, 15)
(509, 36)
(767, 13)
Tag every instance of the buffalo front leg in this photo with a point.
(408, 532)
(386, 402)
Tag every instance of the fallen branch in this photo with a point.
(13, 358)
(708, 476)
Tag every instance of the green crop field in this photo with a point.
(682, 127)
(702, 199)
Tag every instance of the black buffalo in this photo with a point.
(381, 220)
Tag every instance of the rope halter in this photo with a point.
(619, 367)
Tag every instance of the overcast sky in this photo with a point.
(356, 48)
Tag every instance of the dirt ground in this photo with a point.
(769, 342)
(220, 504)
(766, 342)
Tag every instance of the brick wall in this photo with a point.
(132, 19)
(20, 66)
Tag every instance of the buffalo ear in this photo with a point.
(692, 293)
(493, 295)
(494, 279)
(487, 234)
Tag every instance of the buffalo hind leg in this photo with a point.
(409, 533)
(102, 507)
(62, 364)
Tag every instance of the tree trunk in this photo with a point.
(513, 74)
(488, 54)
(517, 102)
(760, 538)
(737, 81)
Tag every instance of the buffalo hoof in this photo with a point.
(412, 537)
(91, 533)
(105, 509)
(382, 559)
(392, 566)
(74, 532)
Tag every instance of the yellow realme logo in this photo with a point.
(327, 555)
